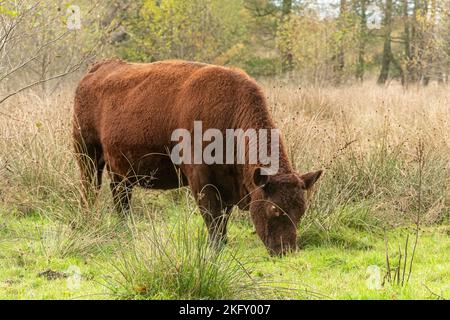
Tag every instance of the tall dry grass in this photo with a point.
(364, 136)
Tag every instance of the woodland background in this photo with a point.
(315, 41)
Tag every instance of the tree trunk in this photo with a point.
(387, 48)
(340, 58)
(412, 38)
(429, 70)
(287, 7)
(362, 40)
(407, 39)
(287, 58)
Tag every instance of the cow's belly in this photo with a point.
(147, 167)
(158, 173)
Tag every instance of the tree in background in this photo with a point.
(314, 41)
(287, 56)
(387, 45)
(424, 39)
(420, 31)
(343, 27)
(360, 9)
(39, 44)
(203, 30)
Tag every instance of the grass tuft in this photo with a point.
(176, 261)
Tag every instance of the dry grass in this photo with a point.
(364, 136)
(329, 118)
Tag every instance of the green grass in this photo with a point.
(116, 262)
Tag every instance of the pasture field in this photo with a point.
(386, 155)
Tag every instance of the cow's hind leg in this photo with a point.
(91, 163)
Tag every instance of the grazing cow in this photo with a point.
(124, 117)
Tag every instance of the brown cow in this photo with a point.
(125, 114)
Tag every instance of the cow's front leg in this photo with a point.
(121, 190)
(214, 212)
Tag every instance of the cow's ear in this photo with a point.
(310, 178)
(260, 177)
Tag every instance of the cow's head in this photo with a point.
(277, 205)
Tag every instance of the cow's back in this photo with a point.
(130, 110)
(148, 101)
(116, 96)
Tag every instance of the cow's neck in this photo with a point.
(259, 118)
